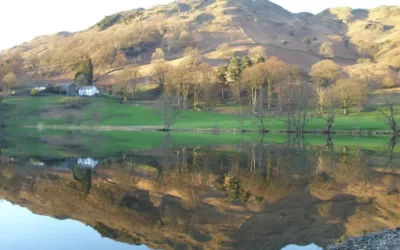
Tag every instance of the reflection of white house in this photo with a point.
(87, 162)
(38, 164)
(88, 91)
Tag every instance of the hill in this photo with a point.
(361, 39)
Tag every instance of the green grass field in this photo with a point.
(109, 112)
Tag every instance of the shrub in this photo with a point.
(388, 82)
(35, 92)
(326, 49)
(364, 60)
(109, 21)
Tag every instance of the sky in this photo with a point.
(22, 20)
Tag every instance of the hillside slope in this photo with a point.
(131, 37)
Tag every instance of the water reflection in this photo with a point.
(21, 230)
(309, 247)
(247, 196)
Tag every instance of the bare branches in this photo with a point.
(260, 114)
(330, 116)
(323, 74)
(168, 109)
(387, 115)
(294, 102)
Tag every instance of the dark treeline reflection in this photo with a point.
(247, 196)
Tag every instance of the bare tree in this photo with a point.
(273, 72)
(158, 55)
(160, 70)
(260, 115)
(323, 74)
(294, 104)
(129, 79)
(192, 56)
(350, 92)
(253, 80)
(10, 79)
(342, 90)
(206, 80)
(180, 82)
(237, 89)
(326, 50)
(257, 52)
(330, 116)
(360, 93)
(168, 109)
(388, 82)
(34, 61)
(388, 114)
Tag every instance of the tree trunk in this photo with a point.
(185, 101)
(269, 95)
(328, 127)
(344, 111)
(254, 105)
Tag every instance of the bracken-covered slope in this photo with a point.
(131, 37)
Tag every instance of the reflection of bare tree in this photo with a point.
(390, 146)
(168, 142)
(329, 142)
(386, 151)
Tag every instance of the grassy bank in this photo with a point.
(56, 110)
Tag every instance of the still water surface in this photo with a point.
(249, 195)
(20, 229)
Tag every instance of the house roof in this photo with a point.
(63, 84)
(88, 87)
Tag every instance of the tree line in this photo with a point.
(263, 86)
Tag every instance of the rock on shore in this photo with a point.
(385, 240)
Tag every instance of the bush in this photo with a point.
(388, 82)
(51, 90)
(364, 60)
(109, 21)
(35, 92)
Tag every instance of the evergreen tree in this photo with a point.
(221, 74)
(261, 59)
(86, 69)
(234, 69)
(222, 79)
(246, 62)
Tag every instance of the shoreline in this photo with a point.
(383, 240)
(198, 130)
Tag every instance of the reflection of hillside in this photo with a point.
(257, 198)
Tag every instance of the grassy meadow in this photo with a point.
(58, 110)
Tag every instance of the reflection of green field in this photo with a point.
(102, 111)
(52, 143)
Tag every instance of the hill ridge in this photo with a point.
(130, 37)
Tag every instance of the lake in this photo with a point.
(144, 190)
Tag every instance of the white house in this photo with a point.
(40, 88)
(88, 91)
(87, 162)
